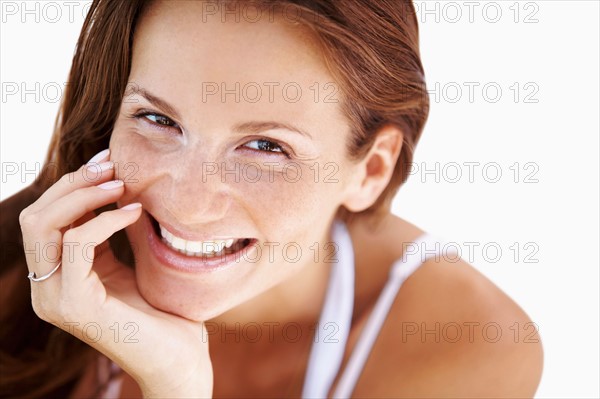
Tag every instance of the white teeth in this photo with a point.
(195, 248)
(178, 243)
(208, 247)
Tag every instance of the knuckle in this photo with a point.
(75, 236)
(22, 215)
(67, 178)
(40, 308)
(70, 235)
(28, 220)
(52, 310)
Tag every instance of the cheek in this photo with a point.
(287, 189)
(293, 205)
(279, 185)
(137, 161)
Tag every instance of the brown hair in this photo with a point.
(370, 47)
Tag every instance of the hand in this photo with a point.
(95, 298)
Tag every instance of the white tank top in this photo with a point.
(326, 354)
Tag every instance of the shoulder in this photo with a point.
(452, 332)
(463, 335)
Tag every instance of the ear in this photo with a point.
(375, 170)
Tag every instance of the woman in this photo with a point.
(250, 151)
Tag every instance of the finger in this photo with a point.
(79, 242)
(85, 176)
(46, 230)
(89, 174)
(87, 217)
(42, 253)
(102, 248)
(68, 209)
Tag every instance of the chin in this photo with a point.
(190, 307)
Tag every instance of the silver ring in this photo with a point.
(32, 276)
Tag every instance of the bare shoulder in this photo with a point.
(451, 332)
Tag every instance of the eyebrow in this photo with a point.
(152, 99)
(257, 127)
(253, 127)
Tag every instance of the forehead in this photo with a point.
(181, 51)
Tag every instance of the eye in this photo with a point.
(158, 120)
(265, 146)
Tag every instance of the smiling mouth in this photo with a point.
(199, 249)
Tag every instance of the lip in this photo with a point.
(191, 237)
(177, 261)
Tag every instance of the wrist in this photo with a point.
(192, 385)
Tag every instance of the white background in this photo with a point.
(549, 134)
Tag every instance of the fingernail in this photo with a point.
(110, 185)
(100, 167)
(132, 206)
(101, 156)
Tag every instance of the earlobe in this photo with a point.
(376, 169)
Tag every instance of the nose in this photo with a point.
(197, 195)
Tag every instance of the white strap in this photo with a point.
(326, 355)
(415, 254)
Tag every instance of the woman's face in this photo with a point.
(206, 141)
